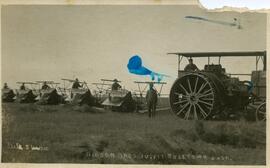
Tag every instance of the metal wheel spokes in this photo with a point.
(261, 112)
(192, 97)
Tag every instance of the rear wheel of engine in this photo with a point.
(261, 112)
(192, 97)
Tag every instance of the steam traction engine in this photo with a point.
(210, 92)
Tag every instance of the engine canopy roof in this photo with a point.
(221, 54)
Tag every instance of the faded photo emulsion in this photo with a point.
(133, 84)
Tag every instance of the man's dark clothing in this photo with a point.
(22, 87)
(151, 100)
(76, 85)
(116, 86)
(191, 67)
(45, 87)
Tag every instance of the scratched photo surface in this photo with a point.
(140, 84)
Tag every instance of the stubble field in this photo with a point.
(68, 134)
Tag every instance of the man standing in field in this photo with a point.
(151, 100)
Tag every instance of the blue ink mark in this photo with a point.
(135, 67)
(250, 86)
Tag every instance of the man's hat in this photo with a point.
(115, 80)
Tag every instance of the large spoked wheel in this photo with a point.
(261, 112)
(192, 97)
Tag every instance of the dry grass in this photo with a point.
(72, 133)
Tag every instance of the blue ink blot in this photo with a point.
(135, 67)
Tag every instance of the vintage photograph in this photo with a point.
(133, 84)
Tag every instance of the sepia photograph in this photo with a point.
(133, 84)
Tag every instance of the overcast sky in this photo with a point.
(94, 42)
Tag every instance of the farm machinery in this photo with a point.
(101, 91)
(213, 93)
(28, 93)
(7, 95)
(48, 93)
(78, 95)
(123, 100)
(118, 99)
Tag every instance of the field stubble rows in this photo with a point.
(80, 134)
